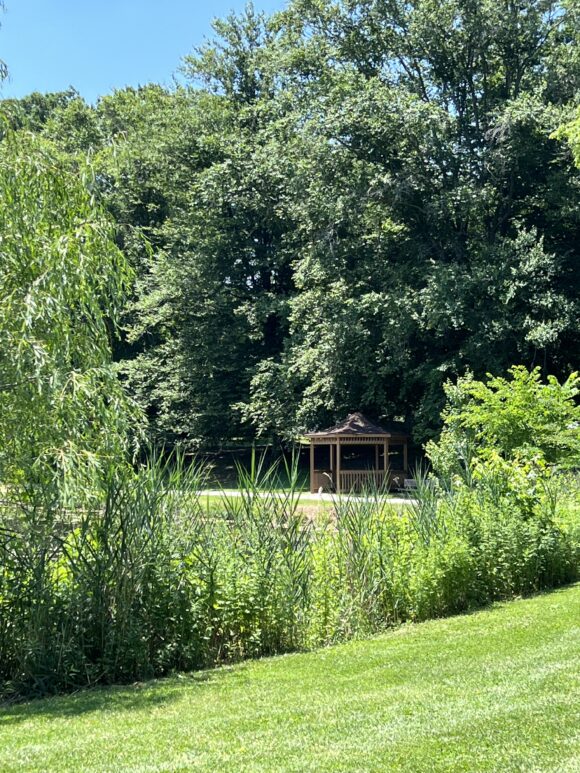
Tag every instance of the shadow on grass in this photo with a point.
(108, 698)
(500, 603)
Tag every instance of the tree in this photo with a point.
(62, 283)
(357, 201)
(35, 110)
(571, 132)
(429, 198)
(198, 173)
(519, 418)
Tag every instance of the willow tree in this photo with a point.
(62, 285)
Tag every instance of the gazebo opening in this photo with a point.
(356, 453)
(359, 457)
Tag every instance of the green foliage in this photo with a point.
(518, 423)
(420, 163)
(571, 132)
(347, 204)
(33, 112)
(63, 283)
(362, 199)
(140, 579)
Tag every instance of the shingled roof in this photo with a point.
(354, 424)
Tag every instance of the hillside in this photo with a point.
(495, 690)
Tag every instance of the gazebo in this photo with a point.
(356, 453)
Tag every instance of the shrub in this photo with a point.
(518, 419)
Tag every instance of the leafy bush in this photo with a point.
(518, 419)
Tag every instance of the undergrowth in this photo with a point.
(131, 577)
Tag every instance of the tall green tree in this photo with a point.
(348, 203)
(436, 229)
(197, 173)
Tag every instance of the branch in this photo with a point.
(7, 387)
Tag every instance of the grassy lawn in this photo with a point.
(214, 505)
(496, 690)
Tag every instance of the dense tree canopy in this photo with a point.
(345, 204)
(571, 132)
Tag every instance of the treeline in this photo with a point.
(341, 207)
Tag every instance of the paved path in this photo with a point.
(305, 496)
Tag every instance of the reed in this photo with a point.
(130, 576)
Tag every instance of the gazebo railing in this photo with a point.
(356, 480)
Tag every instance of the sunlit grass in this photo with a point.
(498, 690)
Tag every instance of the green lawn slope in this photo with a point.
(496, 690)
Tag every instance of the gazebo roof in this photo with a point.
(354, 424)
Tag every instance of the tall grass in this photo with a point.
(133, 577)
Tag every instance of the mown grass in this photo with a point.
(214, 504)
(497, 690)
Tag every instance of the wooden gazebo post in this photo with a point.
(386, 459)
(338, 465)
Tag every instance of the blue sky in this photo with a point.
(95, 46)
